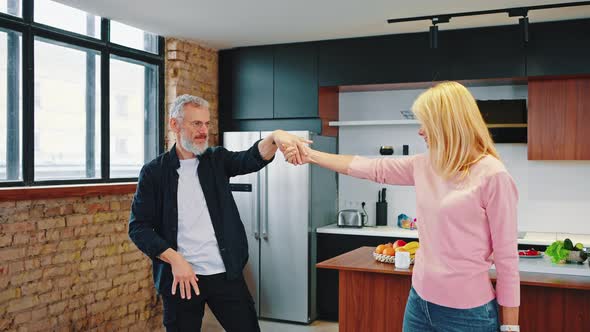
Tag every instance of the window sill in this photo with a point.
(80, 190)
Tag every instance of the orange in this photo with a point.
(380, 249)
(389, 251)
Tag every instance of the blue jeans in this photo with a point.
(423, 316)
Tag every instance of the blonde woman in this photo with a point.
(466, 207)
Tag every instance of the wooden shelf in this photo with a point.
(507, 125)
(411, 122)
(373, 123)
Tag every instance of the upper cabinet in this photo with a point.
(295, 81)
(281, 84)
(375, 60)
(491, 52)
(251, 83)
(269, 82)
(559, 48)
(558, 119)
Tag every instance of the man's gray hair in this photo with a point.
(177, 109)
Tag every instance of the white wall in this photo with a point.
(554, 195)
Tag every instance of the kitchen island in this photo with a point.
(372, 295)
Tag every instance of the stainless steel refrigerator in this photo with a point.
(281, 206)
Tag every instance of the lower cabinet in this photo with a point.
(331, 245)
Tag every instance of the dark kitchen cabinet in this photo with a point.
(295, 81)
(251, 83)
(375, 60)
(491, 52)
(559, 48)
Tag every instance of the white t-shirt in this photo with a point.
(196, 238)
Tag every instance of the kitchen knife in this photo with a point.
(383, 195)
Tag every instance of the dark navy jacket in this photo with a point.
(153, 223)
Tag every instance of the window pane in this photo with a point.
(132, 37)
(10, 107)
(67, 112)
(133, 116)
(12, 7)
(67, 18)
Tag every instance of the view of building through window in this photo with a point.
(12, 7)
(61, 16)
(10, 106)
(68, 94)
(129, 123)
(132, 37)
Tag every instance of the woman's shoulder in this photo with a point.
(488, 166)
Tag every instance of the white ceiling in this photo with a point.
(225, 24)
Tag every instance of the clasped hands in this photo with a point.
(295, 149)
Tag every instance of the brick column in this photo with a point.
(192, 69)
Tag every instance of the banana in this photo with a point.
(411, 245)
(411, 251)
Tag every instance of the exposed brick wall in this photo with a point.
(68, 265)
(192, 69)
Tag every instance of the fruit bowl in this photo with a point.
(387, 259)
(384, 258)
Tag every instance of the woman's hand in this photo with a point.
(305, 154)
(294, 143)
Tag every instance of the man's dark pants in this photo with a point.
(229, 300)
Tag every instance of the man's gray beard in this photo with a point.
(188, 145)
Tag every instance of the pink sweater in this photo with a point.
(459, 227)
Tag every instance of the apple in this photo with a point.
(399, 243)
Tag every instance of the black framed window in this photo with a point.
(76, 106)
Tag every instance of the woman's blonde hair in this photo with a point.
(457, 135)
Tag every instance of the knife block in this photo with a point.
(381, 214)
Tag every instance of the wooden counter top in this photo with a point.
(361, 260)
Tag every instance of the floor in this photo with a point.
(210, 324)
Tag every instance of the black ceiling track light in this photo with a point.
(433, 34)
(521, 12)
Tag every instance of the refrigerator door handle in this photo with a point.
(263, 203)
(256, 213)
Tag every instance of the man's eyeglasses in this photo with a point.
(198, 124)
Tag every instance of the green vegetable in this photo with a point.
(579, 246)
(557, 252)
(568, 245)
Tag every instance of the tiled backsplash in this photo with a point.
(554, 195)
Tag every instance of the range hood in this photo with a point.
(506, 119)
